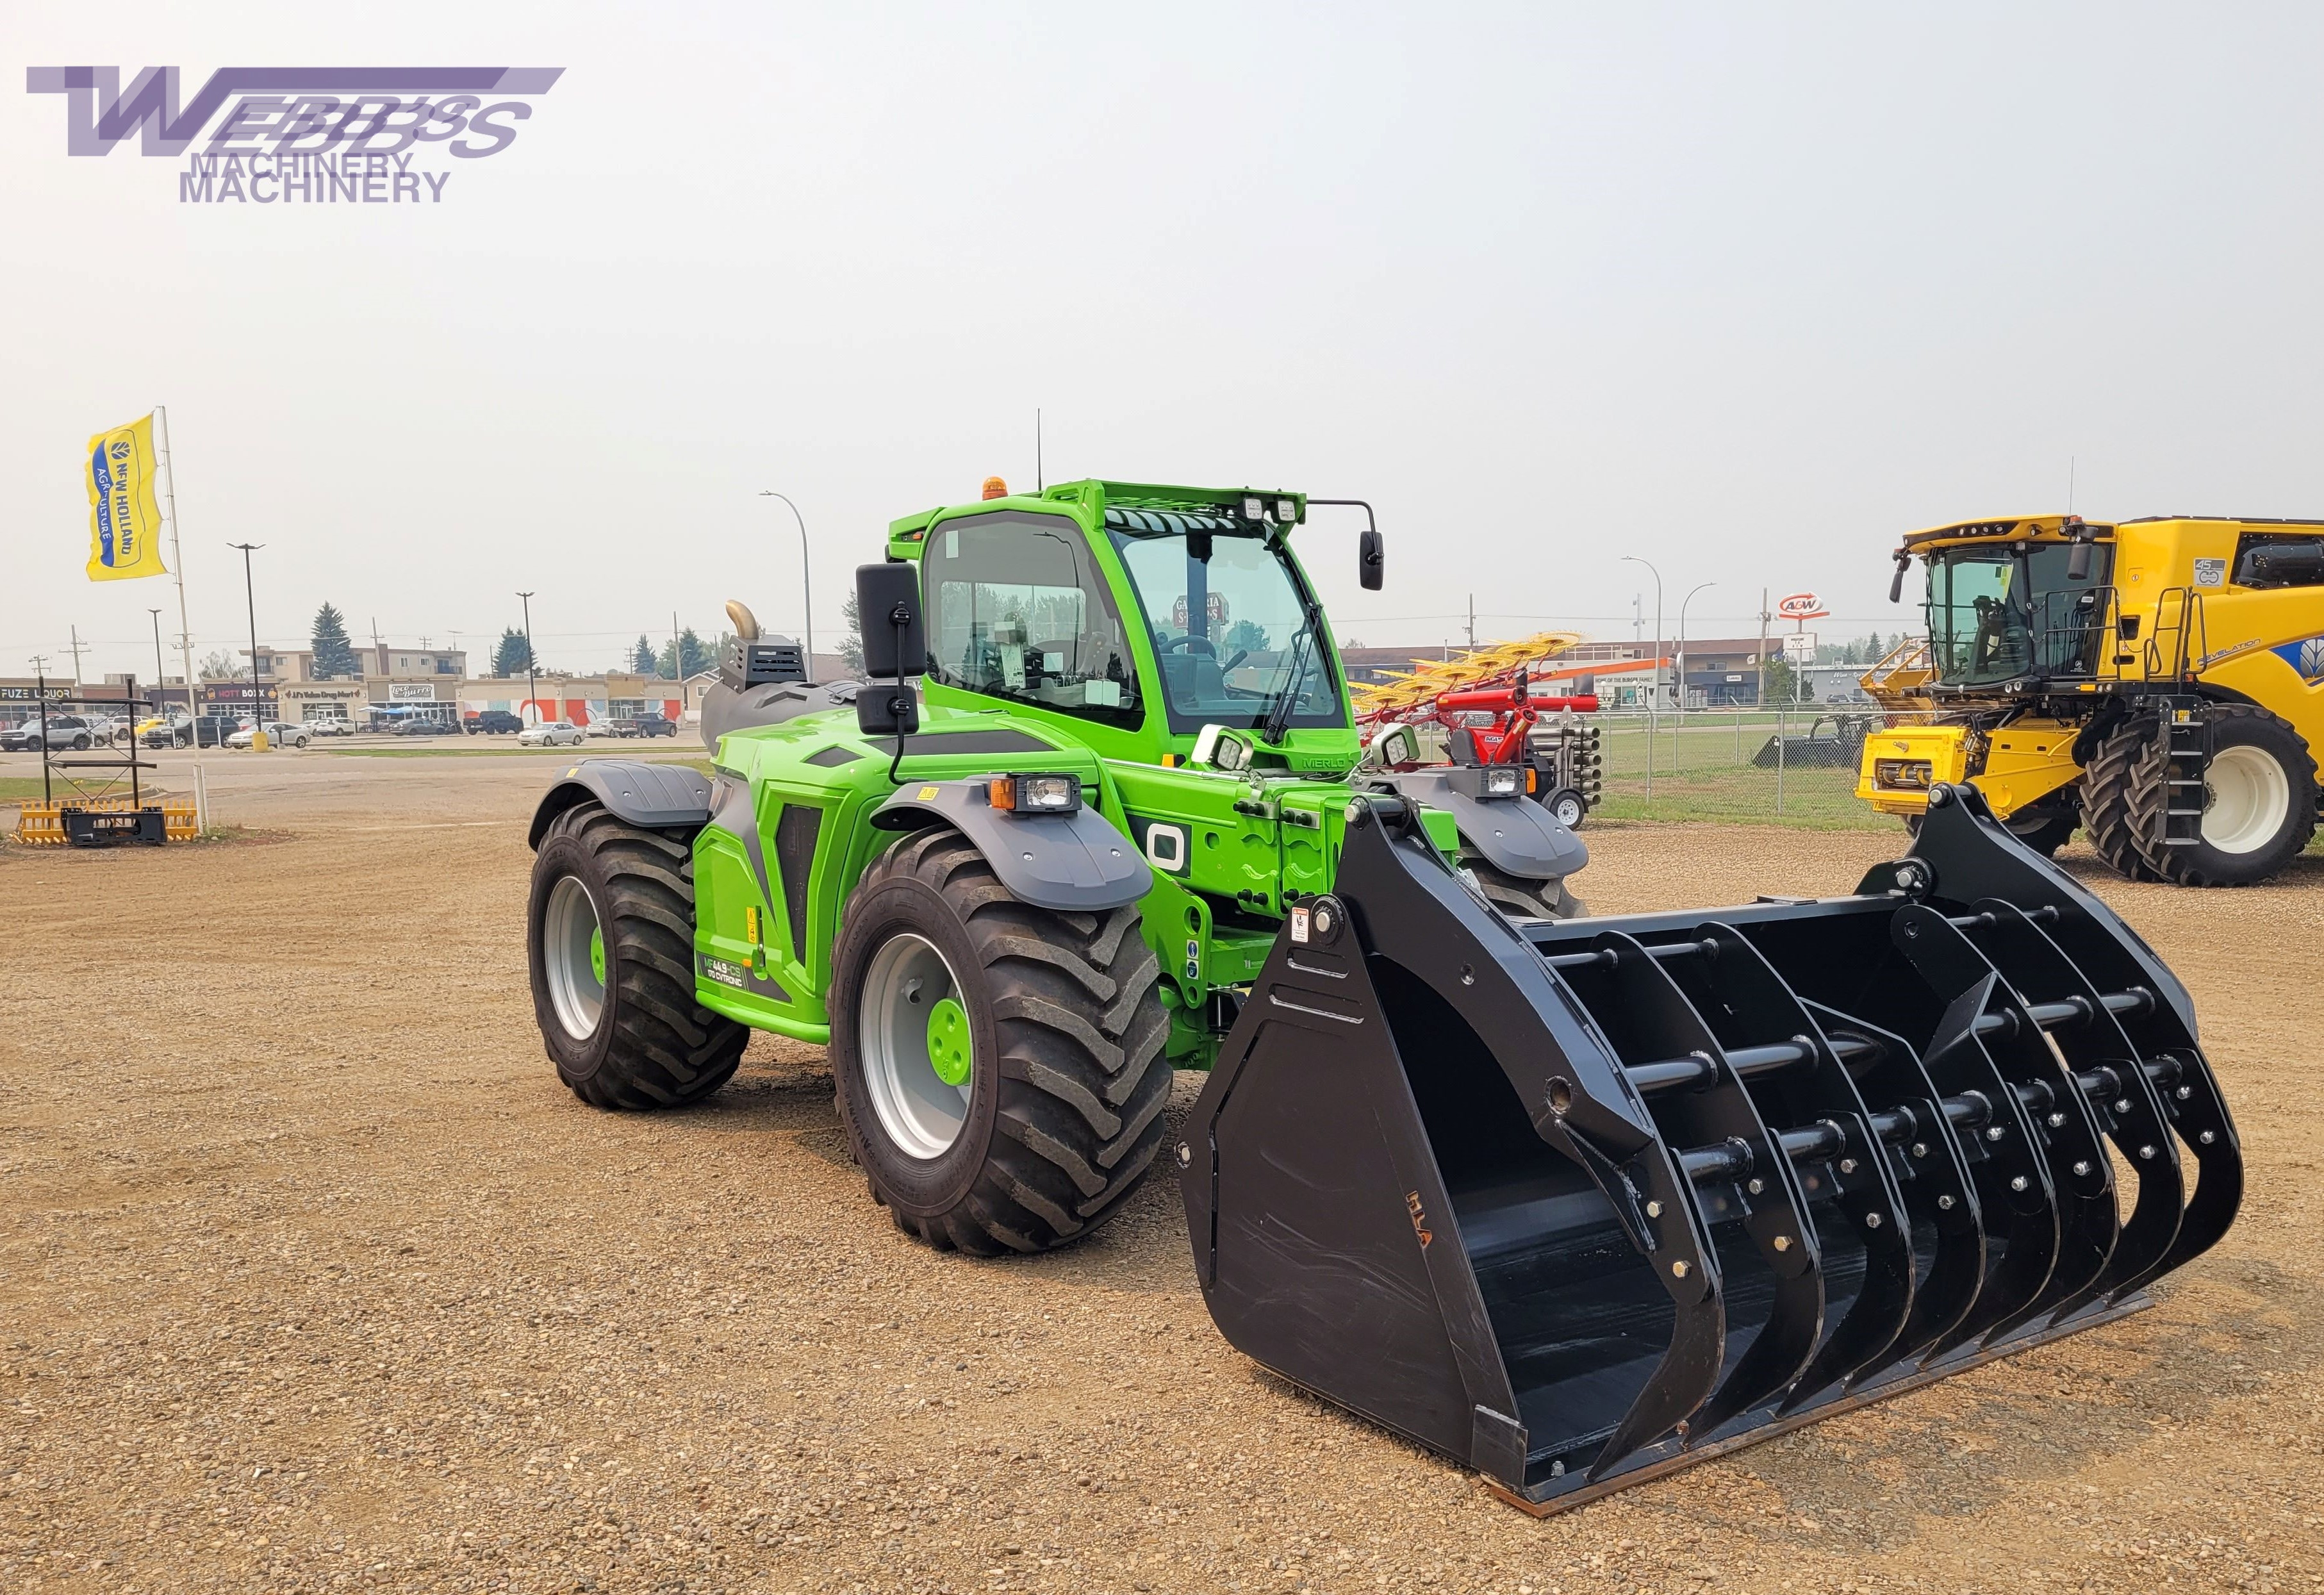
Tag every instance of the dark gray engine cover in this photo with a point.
(723, 709)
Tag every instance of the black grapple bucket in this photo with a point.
(1578, 1202)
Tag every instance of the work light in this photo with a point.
(1036, 794)
(1287, 510)
(1254, 509)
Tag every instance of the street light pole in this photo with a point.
(250, 593)
(807, 583)
(531, 662)
(1654, 699)
(1681, 642)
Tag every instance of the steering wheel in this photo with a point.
(1234, 660)
(1192, 643)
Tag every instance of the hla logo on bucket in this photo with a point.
(302, 135)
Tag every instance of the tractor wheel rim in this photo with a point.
(2246, 797)
(909, 1045)
(572, 948)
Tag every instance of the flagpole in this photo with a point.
(185, 626)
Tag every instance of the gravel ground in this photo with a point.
(313, 1277)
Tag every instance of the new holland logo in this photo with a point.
(2305, 655)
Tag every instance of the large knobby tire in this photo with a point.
(2044, 828)
(1520, 898)
(999, 1066)
(611, 933)
(2128, 761)
(2259, 803)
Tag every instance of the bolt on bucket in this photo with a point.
(1579, 1202)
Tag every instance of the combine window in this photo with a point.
(2263, 560)
(1018, 610)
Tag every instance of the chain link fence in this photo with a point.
(1790, 766)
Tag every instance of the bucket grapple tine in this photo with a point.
(1740, 1172)
(1580, 1202)
(1824, 1126)
(1940, 1191)
(2101, 1062)
(2053, 1116)
(2015, 1193)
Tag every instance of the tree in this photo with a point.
(335, 659)
(511, 655)
(691, 657)
(851, 647)
(1783, 681)
(641, 656)
(221, 666)
(1249, 636)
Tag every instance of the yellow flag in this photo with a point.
(124, 524)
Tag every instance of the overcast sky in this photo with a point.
(1748, 290)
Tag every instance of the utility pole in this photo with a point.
(1764, 616)
(250, 593)
(158, 671)
(531, 664)
(677, 655)
(378, 649)
(76, 653)
(1653, 703)
(1472, 620)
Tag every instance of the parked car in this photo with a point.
(654, 725)
(331, 725)
(613, 728)
(213, 730)
(556, 733)
(418, 726)
(279, 734)
(64, 731)
(494, 722)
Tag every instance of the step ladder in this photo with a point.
(2186, 737)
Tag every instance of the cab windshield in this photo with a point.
(1996, 615)
(1227, 617)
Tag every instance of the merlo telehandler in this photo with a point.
(1571, 1200)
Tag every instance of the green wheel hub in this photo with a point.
(597, 952)
(948, 1044)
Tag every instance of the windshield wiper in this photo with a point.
(1279, 702)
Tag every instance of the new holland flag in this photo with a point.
(125, 523)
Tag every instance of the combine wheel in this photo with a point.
(2045, 829)
(999, 1066)
(2259, 803)
(612, 934)
(1521, 899)
(2129, 761)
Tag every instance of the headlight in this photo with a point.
(1505, 780)
(1036, 794)
(1909, 775)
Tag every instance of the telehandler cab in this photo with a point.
(1571, 1200)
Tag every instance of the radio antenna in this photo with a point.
(1039, 483)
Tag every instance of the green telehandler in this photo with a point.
(1573, 1201)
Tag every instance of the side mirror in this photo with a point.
(2078, 562)
(1371, 560)
(895, 646)
(888, 607)
(1896, 582)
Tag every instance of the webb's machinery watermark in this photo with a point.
(302, 135)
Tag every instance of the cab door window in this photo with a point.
(1017, 609)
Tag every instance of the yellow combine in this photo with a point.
(2156, 683)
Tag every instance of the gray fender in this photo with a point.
(650, 795)
(1517, 835)
(1073, 863)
